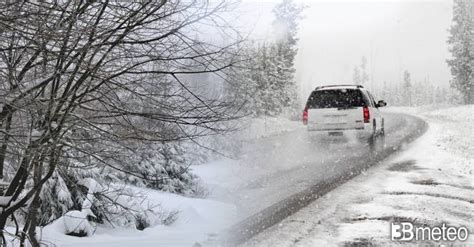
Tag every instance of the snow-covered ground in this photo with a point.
(224, 177)
(430, 182)
(268, 126)
(200, 221)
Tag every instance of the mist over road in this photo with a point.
(294, 168)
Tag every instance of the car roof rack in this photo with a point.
(342, 85)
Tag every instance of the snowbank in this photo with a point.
(219, 178)
(76, 224)
(199, 221)
(268, 126)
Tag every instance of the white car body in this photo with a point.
(340, 109)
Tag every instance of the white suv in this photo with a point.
(339, 109)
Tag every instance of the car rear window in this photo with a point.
(336, 98)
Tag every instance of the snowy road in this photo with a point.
(288, 171)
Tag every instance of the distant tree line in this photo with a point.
(407, 92)
(418, 93)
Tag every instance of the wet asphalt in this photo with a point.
(301, 167)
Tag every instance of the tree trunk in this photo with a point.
(3, 148)
(32, 216)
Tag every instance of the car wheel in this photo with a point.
(373, 136)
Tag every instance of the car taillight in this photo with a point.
(366, 114)
(305, 116)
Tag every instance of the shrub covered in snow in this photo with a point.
(100, 199)
(162, 167)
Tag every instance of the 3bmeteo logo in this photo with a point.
(406, 231)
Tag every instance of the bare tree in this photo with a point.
(82, 82)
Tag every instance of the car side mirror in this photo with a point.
(381, 103)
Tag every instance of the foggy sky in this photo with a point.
(334, 35)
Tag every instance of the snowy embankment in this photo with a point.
(429, 183)
(223, 175)
(220, 174)
(269, 126)
(198, 221)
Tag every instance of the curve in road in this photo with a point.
(302, 168)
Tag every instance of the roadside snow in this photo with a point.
(430, 182)
(225, 177)
(268, 126)
(75, 222)
(219, 178)
(199, 222)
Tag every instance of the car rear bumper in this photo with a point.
(363, 133)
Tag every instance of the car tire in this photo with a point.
(373, 136)
(382, 131)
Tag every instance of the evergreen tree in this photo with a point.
(461, 43)
(407, 87)
(364, 74)
(356, 77)
(264, 80)
(360, 75)
(287, 15)
(384, 91)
